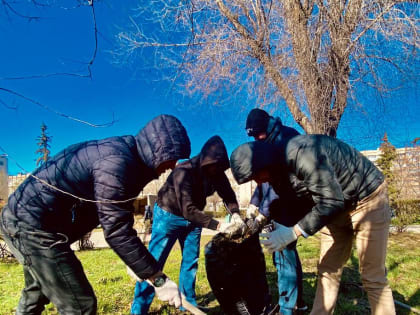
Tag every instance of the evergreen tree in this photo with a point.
(385, 162)
(43, 145)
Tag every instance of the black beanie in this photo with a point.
(257, 122)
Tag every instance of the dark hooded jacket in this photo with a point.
(187, 187)
(277, 133)
(259, 121)
(319, 169)
(263, 195)
(112, 169)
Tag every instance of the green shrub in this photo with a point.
(406, 212)
(4, 251)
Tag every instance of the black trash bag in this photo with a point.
(236, 273)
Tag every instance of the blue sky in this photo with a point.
(63, 41)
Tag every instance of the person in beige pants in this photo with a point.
(368, 225)
(343, 197)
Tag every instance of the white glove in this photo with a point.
(168, 292)
(236, 227)
(251, 212)
(278, 239)
(258, 223)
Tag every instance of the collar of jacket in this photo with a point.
(274, 129)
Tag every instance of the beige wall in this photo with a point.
(406, 168)
(15, 181)
(4, 192)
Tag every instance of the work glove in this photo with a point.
(257, 224)
(278, 239)
(251, 212)
(235, 228)
(168, 292)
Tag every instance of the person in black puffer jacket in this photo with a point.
(350, 201)
(87, 184)
(178, 215)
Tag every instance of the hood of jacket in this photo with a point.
(214, 151)
(163, 138)
(278, 133)
(251, 157)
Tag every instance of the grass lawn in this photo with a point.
(114, 288)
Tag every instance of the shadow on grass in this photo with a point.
(351, 297)
(109, 280)
(9, 260)
(413, 300)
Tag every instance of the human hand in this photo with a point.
(278, 239)
(251, 212)
(257, 224)
(236, 227)
(168, 292)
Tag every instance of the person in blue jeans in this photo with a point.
(263, 127)
(178, 215)
(167, 228)
(287, 262)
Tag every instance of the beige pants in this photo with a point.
(368, 224)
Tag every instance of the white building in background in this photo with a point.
(243, 192)
(15, 181)
(406, 168)
(4, 193)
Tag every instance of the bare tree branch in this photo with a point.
(88, 64)
(369, 26)
(8, 106)
(9, 7)
(55, 111)
(46, 75)
(55, 74)
(311, 55)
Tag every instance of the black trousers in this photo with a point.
(51, 269)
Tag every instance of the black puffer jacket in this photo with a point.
(187, 187)
(115, 169)
(331, 173)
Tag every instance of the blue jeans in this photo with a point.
(289, 278)
(166, 229)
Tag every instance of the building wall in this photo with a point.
(407, 172)
(15, 181)
(406, 168)
(4, 193)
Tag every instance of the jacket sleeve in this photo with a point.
(269, 196)
(255, 199)
(114, 179)
(225, 191)
(319, 177)
(183, 187)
